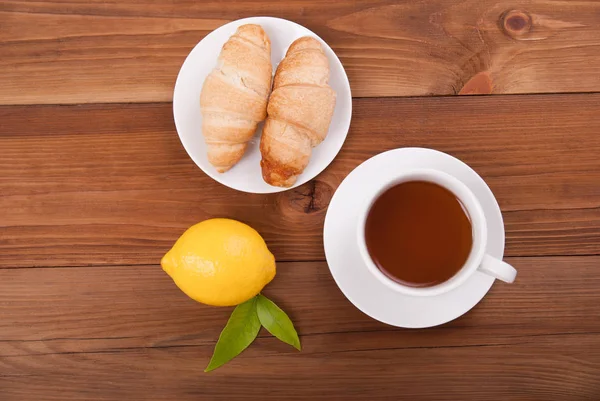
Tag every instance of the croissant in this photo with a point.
(299, 112)
(234, 96)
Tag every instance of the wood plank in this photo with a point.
(113, 333)
(111, 184)
(96, 309)
(131, 51)
(551, 369)
(129, 208)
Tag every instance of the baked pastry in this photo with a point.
(234, 96)
(299, 112)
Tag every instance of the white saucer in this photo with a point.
(246, 175)
(351, 275)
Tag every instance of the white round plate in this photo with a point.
(351, 275)
(246, 175)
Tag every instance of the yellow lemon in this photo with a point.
(220, 262)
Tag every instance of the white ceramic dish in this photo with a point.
(351, 274)
(246, 175)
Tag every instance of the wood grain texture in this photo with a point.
(94, 309)
(92, 195)
(130, 51)
(562, 368)
(111, 184)
(127, 332)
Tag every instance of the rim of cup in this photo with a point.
(472, 208)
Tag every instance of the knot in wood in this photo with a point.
(311, 197)
(479, 84)
(516, 23)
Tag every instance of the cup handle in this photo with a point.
(497, 269)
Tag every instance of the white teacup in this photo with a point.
(477, 260)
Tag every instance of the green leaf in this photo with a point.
(276, 321)
(241, 329)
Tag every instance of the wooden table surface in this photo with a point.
(95, 187)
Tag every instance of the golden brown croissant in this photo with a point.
(234, 96)
(299, 112)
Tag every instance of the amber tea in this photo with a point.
(418, 234)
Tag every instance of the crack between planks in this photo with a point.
(151, 265)
(549, 209)
(431, 96)
(11, 340)
(211, 343)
